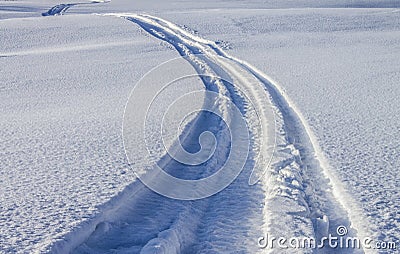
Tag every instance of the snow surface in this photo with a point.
(65, 81)
(62, 98)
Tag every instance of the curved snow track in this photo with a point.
(297, 196)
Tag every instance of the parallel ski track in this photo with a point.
(321, 193)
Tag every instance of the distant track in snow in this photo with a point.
(299, 181)
(60, 9)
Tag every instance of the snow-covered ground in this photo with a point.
(65, 81)
(63, 93)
